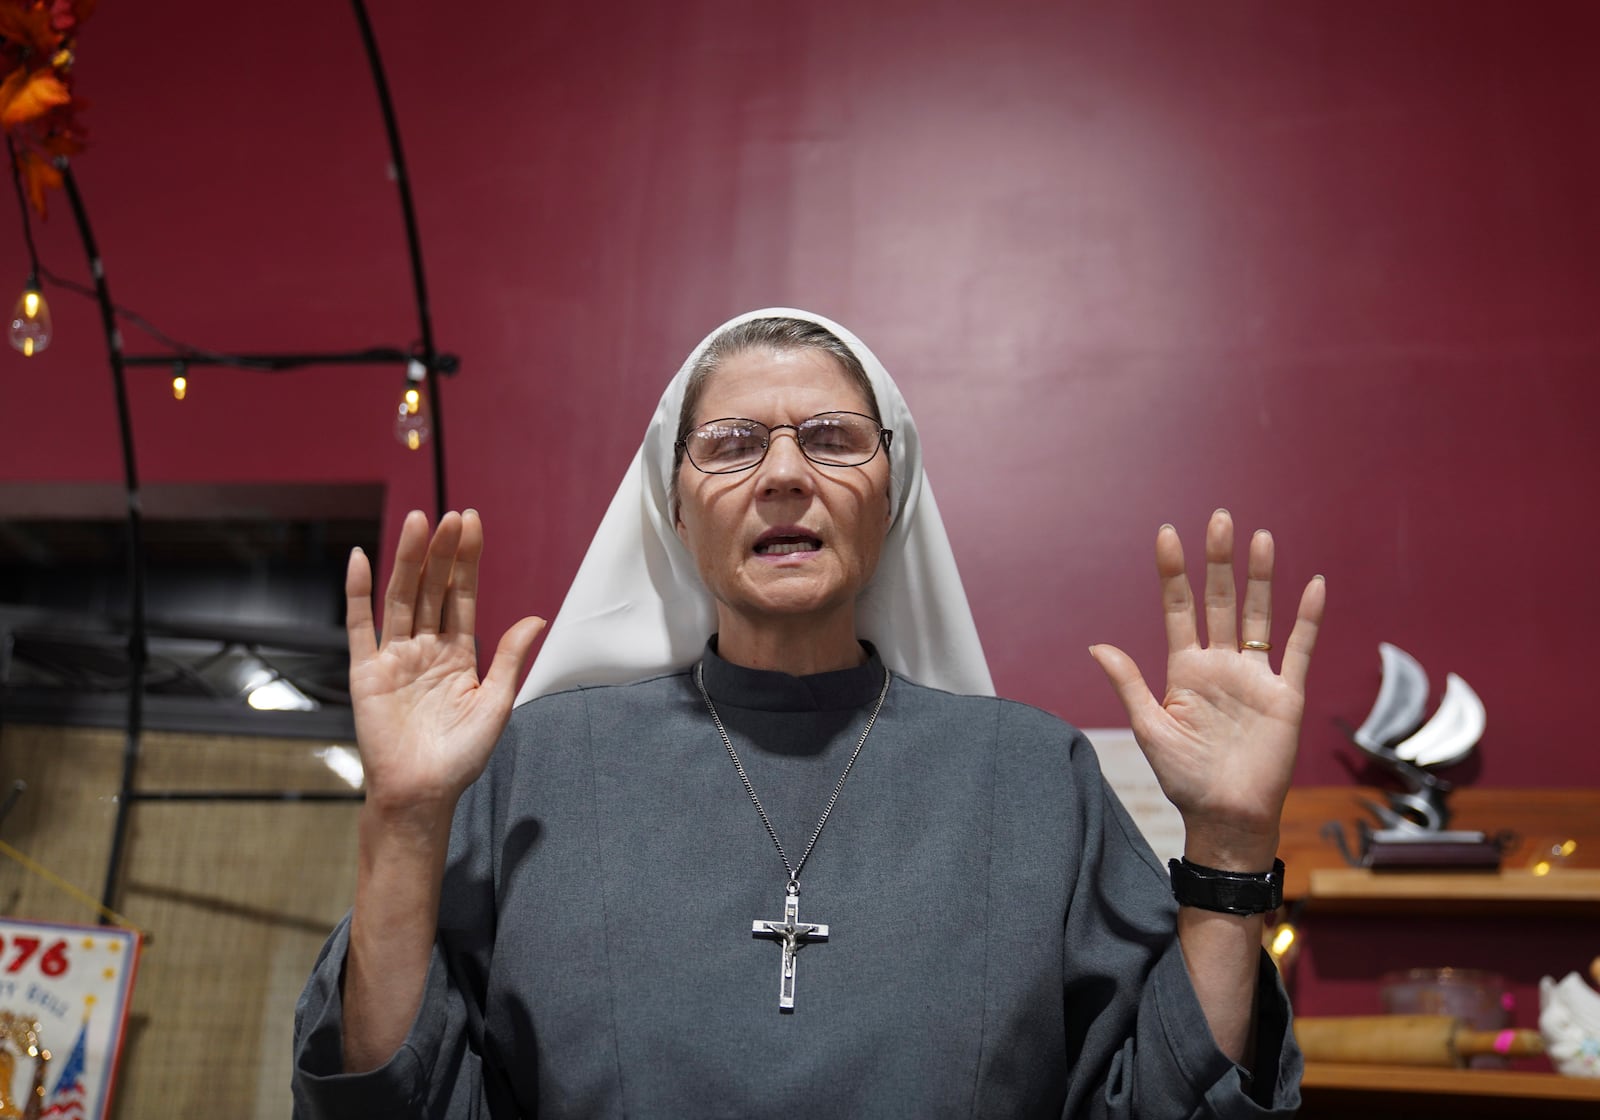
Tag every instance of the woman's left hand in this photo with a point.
(1222, 743)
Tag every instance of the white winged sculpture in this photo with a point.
(1395, 735)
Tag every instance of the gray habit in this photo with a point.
(1001, 939)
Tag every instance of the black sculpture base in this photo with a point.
(1394, 849)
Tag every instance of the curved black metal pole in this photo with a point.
(418, 280)
(138, 645)
(27, 219)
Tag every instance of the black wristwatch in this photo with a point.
(1227, 892)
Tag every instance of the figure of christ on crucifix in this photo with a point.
(793, 935)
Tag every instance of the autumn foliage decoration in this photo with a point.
(37, 108)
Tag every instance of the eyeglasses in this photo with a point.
(831, 439)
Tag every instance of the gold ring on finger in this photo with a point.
(1263, 647)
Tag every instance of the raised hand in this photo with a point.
(425, 723)
(1222, 741)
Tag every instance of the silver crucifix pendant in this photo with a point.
(792, 935)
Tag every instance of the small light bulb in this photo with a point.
(30, 321)
(1551, 855)
(1282, 940)
(413, 422)
(1283, 944)
(180, 387)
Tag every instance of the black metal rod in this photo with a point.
(419, 281)
(137, 644)
(27, 219)
(378, 356)
(18, 788)
(247, 795)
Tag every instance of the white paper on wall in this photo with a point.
(1130, 776)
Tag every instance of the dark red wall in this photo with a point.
(1334, 265)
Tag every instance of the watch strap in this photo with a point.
(1227, 892)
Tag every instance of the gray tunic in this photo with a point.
(1001, 938)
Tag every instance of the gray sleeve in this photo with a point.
(1139, 1044)
(438, 1073)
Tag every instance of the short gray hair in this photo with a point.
(779, 333)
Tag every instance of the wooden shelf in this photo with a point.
(1573, 891)
(1534, 818)
(1336, 1090)
(1520, 1084)
(1318, 873)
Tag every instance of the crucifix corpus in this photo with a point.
(792, 934)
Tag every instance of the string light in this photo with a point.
(1282, 939)
(30, 330)
(1556, 855)
(180, 382)
(414, 419)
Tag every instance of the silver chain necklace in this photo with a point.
(790, 933)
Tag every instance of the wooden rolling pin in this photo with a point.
(1406, 1040)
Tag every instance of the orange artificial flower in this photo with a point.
(25, 97)
(25, 28)
(38, 175)
(37, 109)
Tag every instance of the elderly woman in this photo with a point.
(608, 912)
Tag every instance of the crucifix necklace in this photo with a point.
(789, 932)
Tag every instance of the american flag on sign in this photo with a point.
(66, 1099)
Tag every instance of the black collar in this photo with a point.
(767, 690)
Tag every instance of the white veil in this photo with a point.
(637, 607)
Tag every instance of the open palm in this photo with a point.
(425, 723)
(1222, 741)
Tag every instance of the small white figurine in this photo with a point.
(1569, 1019)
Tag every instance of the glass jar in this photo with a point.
(1478, 998)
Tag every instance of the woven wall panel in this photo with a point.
(237, 897)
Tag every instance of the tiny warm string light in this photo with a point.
(1554, 857)
(30, 331)
(180, 381)
(1282, 940)
(41, 129)
(414, 420)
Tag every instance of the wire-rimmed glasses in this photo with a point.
(830, 439)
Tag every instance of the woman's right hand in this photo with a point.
(425, 724)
